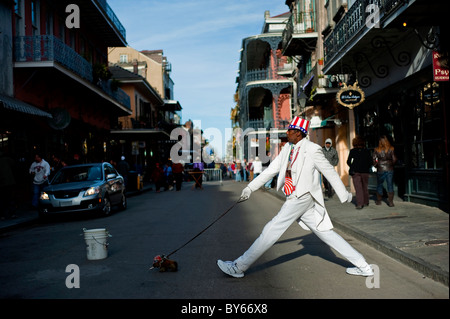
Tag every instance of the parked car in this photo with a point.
(83, 188)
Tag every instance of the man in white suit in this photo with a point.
(299, 165)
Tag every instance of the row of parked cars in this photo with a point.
(95, 187)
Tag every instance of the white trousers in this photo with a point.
(292, 210)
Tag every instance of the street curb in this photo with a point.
(418, 264)
(23, 222)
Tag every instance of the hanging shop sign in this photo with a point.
(350, 96)
(440, 67)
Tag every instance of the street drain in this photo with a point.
(437, 242)
(388, 217)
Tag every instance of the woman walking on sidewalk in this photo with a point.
(384, 159)
(360, 161)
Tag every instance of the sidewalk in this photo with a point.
(416, 235)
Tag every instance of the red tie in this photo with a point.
(289, 187)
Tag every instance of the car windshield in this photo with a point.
(78, 174)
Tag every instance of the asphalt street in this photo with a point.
(34, 258)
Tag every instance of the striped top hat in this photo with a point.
(299, 124)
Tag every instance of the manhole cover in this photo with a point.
(437, 242)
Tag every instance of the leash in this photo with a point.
(173, 252)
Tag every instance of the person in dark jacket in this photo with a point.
(123, 168)
(360, 161)
(332, 156)
(384, 159)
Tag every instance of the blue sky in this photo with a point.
(201, 39)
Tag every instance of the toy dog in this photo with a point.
(164, 264)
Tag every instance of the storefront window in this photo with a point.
(426, 128)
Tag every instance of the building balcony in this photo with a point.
(98, 16)
(358, 35)
(267, 74)
(50, 51)
(300, 35)
(48, 48)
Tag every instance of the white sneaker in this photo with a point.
(366, 271)
(230, 268)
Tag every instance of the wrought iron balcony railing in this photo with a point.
(110, 13)
(50, 48)
(302, 23)
(264, 74)
(354, 21)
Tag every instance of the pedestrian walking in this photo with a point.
(239, 173)
(158, 177)
(178, 170)
(384, 159)
(57, 164)
(123, 168)
(257, 167)
(332, 156)
(268, 184)
(40, 170)
(299, 164)
(360, 162)
(198, 168)
(244, 170)
(168, 175)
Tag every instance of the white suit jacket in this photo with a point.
(307, 163)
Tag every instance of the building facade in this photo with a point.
(303, 42)
(390, 50)
(61, 100)
(145, 76)
(265, 91)
(64, 72)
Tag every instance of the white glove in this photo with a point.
(350, 197)
(246, 192)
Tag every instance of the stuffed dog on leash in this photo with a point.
(164, 264)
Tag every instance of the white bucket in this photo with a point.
(97, 243)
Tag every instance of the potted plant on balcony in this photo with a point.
(100, 72)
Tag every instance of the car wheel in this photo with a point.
(123, 202)
(106, 206)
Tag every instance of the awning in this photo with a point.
(309, 81)
(171, 105)
(19, 106)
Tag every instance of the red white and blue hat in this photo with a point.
(299, 124)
